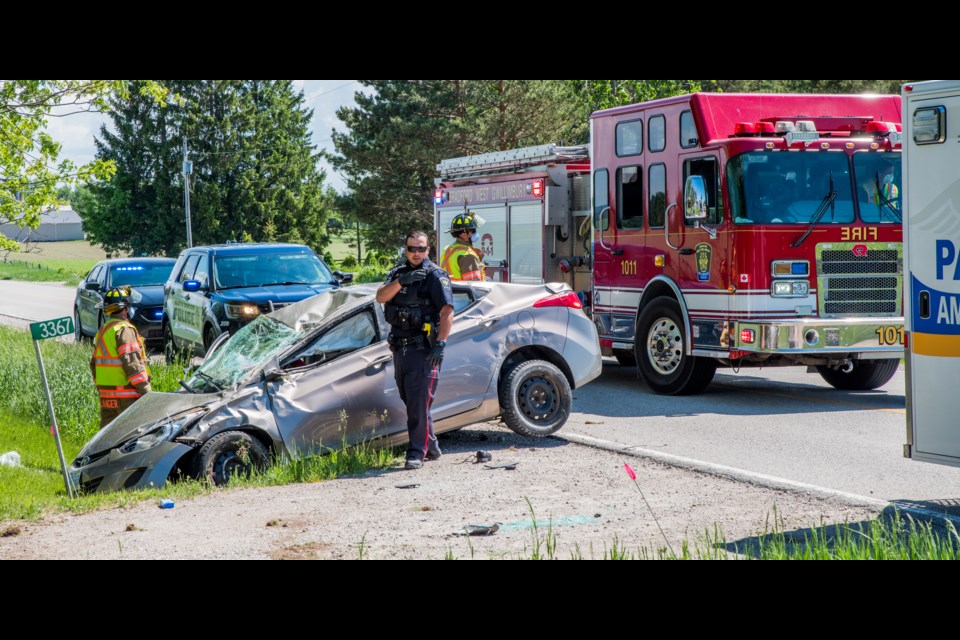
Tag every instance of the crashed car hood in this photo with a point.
(148, 410)
(284, 294)
(152, 296)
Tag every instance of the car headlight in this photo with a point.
(790, 289)
(136, 297)
(241, 311)
(162, 431)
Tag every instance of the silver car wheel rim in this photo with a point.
(665, 346)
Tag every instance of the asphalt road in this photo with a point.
(35, 301)
(780, 422)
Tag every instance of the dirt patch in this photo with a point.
(584, 503)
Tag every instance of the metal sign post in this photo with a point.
(44, 331)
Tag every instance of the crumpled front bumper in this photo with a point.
(138, 470)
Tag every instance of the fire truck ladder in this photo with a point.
(510, 161)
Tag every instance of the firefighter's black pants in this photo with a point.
(417, 382)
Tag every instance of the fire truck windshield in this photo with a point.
(789, 188)
(878, 185)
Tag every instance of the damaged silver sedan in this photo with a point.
(319, 374)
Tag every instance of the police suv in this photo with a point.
(219, 288)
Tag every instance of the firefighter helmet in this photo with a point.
(463, 222)
(116, 299)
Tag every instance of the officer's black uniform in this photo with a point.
(413, 307)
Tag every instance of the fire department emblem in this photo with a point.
(860, 250)
(486, 244)
(704, 252)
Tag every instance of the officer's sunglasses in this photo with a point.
(417, 249)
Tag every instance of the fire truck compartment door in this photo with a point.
(526, 243)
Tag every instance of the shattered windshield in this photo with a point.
(247, 351)
(789, 188)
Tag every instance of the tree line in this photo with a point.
(255, 173)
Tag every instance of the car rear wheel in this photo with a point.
(535, 398)
(661, 352)
(228, 455)
(865, 375)
(77, 329)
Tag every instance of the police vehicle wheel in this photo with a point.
(228, 455)
(660, 349)
(209, 337)
(535, 398)
(865, 375)
(170, 351)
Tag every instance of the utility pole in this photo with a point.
(187, 171)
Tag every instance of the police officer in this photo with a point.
(461, 259)
(119, 362)
(418, 304)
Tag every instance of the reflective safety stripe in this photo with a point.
(471, 275)
(138, 378)
(118, 392)
(128, 348)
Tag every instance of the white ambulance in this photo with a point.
(931, 193)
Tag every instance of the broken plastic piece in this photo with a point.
(166, 503)
(478, 530)
(407, 485)
(509, 466)
(484, 456)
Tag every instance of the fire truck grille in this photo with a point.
(850, 285)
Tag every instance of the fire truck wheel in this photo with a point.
(866, 375)
(661, 352)
(535, 398)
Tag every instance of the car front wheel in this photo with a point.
(228, 455)
(77, 329)
(535, 398)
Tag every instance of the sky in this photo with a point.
(76, 132)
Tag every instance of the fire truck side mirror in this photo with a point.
(695, 199)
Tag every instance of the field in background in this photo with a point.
(65, 262)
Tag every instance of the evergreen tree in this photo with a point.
(254, 173)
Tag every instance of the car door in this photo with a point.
(339, 389)
(87, 301)
(187, 319)
(472, 354)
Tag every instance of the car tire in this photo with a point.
(209, 337)
(229, 454)
(865, 375)
(535, 398)
(78, 334)
(170, 351)
(661, 351)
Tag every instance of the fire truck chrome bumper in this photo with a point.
(867, 336)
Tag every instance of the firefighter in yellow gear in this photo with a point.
(119, 362)
(461, 260)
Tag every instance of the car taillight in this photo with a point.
(566, 299)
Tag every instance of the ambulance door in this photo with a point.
(931, 157)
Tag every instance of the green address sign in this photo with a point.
(51, 328)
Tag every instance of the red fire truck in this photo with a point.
(706, 230)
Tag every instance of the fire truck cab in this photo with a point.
(749, 230)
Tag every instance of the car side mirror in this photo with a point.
(344, 278)
(191, 285)
(92, 286)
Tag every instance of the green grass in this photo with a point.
(25, 492)
(70, 272)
